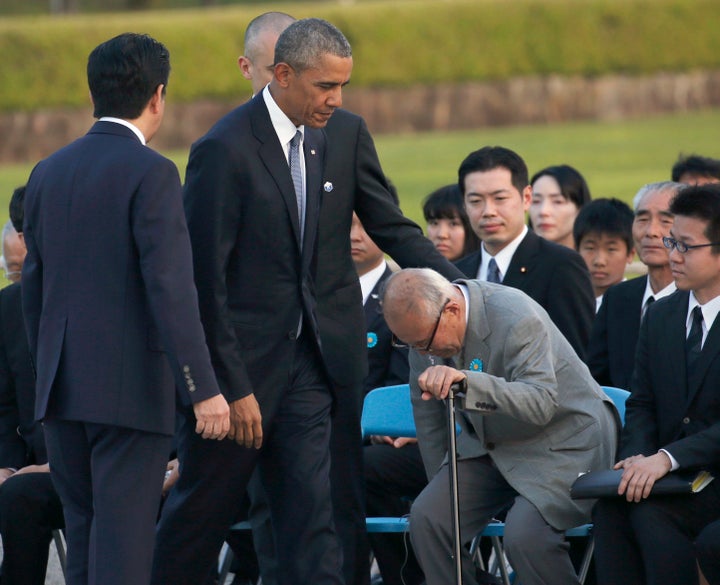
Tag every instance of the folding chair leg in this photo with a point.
(587, 557)
(224, 563)
(59, 539)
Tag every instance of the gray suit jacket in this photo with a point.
(534, 408)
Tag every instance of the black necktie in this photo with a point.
(493, 272)
(650, 301)
(693, 343)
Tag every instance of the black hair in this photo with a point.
(124, 73)
(701, 202)
(572, 184)
(493, 157)
(701, 166)
(447, 203)
(605, 216)
(17, 208)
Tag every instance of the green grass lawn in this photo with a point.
(616, 158)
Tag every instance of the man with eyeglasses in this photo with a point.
(532, 419)
(672, 420)
(611, 350)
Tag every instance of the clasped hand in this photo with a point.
(435, 382)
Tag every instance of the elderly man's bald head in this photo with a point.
(425, 311)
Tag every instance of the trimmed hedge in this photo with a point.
(395, 43)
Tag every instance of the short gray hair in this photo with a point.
(274, 22)
(8, 230)
(419, 291)
(671, 186)
(306, 41)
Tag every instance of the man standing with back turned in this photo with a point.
(252, 199)
(115, 331)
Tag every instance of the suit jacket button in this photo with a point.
(686, 420)
(490, 446)
(292, 335)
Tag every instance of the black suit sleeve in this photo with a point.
(394, 233)
(598, 359)
(212, 207)
(571, 304)
(13, 451)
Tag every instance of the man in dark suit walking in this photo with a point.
(672, 419)
(113, 332)
(252, 198)
(611, 351)
(358, 184)
(494, 181)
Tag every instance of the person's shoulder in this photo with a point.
(469, 264)
(632, 285)
(343, 121)
(555, 250)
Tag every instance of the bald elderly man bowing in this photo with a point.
(532, 420)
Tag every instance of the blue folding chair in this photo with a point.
(387, 411)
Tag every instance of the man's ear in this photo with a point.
(283, 73)
(157, 99)
(21, 237)
(245, 67)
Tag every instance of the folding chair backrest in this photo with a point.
(388, 411)
(618, 396)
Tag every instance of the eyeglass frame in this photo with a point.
(397, 343)
(672, 244)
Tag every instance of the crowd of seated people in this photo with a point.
(543, 316)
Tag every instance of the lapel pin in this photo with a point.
(312, 151)
(476, 365)
(523, 270)
(372, 339)
(328, 186)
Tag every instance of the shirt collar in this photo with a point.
(502, 258)
(284, 128)
(709, 310)
(127, 124)
(370, 279)
(667, 291)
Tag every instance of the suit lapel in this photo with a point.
(313, 145)
(674, 343)
(478, 329)
(709, 352)
(522, 262)
(273, 156)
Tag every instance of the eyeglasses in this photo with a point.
(682, 247)
(395, 342)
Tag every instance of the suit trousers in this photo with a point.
(537, 551)
(707, 548)
(394, 477)
(30, 510)
(348, 496)
(651, 541)
(294, 468)
(109, 480)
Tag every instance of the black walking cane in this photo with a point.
(456, 391)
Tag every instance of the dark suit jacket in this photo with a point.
(664, 410)
(254, 281)
(556, 277)
(358, 185)
(387, 365)
(108, 294)
(613, 340)
(22, 440)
